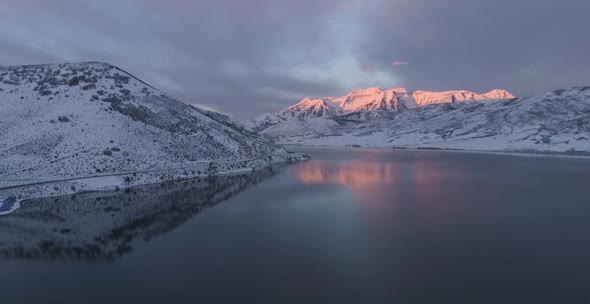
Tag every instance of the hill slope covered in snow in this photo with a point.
(88, 120)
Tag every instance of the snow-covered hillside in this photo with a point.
(557, 121)
(84, 120)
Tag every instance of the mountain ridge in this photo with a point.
(370, 99)
(556, 121)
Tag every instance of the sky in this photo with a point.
(247, 57)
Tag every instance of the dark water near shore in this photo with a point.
(351, 226)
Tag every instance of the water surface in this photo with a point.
(351, 226)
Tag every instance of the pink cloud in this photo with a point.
(398, 63)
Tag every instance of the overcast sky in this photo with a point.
(246, 57)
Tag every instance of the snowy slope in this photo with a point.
(93, 119)
(556, 121)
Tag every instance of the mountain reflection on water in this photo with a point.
(420, 178)
(106, 225)
(355, 174)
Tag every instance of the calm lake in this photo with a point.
(349, 226)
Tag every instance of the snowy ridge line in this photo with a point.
(141, 81)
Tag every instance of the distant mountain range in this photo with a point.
(99, 126)
(493, 121)
(369, 100)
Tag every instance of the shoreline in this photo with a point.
(523, 153)
(128, 180)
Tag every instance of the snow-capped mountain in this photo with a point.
(424, 98)
(555, 121)
(83, 120)
(309, 108)
(376, 99)
(360, 101)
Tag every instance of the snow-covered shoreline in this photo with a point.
(124, 180)
(522, 153)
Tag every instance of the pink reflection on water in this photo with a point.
(371, 182)
(355, 174)
(422, 183)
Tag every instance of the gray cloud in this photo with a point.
(527, 46)
(248, 57)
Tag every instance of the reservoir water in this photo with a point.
(349, 226)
